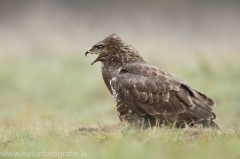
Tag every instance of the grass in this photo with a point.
(46, 99)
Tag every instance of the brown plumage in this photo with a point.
(147, 95)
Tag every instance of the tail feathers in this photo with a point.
(209, 124)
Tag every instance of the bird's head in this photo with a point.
(114, 51)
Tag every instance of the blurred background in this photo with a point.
(45, 78)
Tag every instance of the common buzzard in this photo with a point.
(147, 95)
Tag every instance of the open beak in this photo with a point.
(91, 52)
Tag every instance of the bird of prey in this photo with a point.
(147, 95)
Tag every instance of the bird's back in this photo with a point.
(145, 91)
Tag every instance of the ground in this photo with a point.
(46, 99)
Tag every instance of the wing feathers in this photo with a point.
(143, 96)
(200, 96)
(156, 98)
(202, 104)
(152, 91)
(184, 95)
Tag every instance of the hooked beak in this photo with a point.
(91, 52)
(87, 52)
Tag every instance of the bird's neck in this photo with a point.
(107, 74)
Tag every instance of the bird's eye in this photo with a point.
(99, 47)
